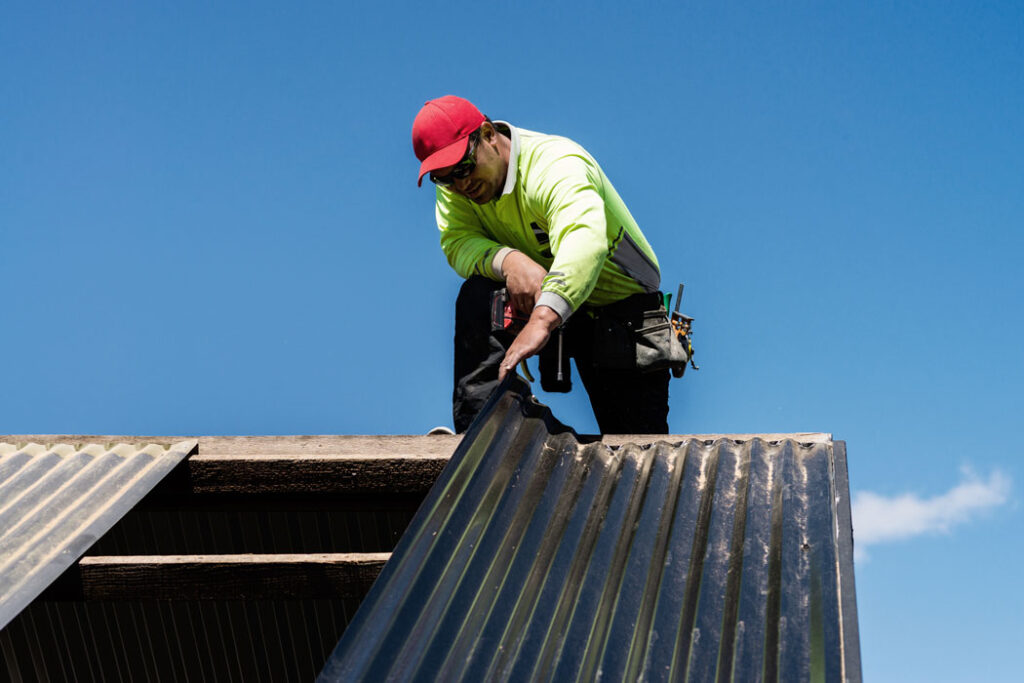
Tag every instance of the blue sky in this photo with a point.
(209, 224)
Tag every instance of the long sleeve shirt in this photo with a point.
(557, 207)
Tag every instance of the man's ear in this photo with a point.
(487, 131)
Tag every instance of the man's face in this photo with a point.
(488, 177)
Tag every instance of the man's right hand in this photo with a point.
(523, 279)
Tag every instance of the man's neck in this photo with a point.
(505, 149)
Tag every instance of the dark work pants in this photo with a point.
(624, 401)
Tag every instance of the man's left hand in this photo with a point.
(531, 339)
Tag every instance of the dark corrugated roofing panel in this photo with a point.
(56, 500)
(539, 556)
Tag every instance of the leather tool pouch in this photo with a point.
(639, 339)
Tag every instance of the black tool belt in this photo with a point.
(635, 334)
(632, 334)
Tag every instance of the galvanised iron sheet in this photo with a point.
(172, 641)
(539, 556)
(56, 500)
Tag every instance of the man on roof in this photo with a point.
(536, 215)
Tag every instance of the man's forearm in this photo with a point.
(546, 317)
(498, 262)
(531, 339)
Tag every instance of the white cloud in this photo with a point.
(881, 519)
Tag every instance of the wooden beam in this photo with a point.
(219, 577)
(338, 475)
(294, 465)
(331, 465)
(275, 447)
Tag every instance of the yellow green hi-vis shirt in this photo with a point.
(564, 214)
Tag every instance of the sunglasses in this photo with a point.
(461, 169)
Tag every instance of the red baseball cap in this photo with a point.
(440, 132)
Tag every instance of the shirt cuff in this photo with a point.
(556, 303)
(499, 260)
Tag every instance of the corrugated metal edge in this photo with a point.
(845, 576)
(70, 549)
(221, 447)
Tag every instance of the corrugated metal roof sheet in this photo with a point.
(540, 556)
(56, 500)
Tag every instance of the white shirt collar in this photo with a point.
(513, 160)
